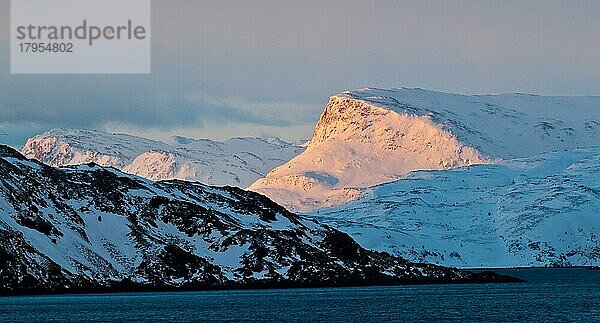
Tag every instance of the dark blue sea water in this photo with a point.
(550, 295)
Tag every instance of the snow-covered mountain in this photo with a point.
(237, 161)
(93, 228)
(371, 136)
(533, 211)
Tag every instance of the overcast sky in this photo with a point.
(246, 68)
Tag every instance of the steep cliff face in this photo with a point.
(237, 162)
(372, 136)
(357, 144)
(93, 228)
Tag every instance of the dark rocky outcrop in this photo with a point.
(88, 228)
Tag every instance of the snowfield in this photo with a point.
(534, 211)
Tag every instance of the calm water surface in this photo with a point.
(550, 295)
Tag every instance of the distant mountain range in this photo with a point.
(237, 161)
(90, 228)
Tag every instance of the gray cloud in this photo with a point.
(94, 107)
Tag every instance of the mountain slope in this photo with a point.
(372, 136)
(237, 161)
(93, 228)
(534, 211)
